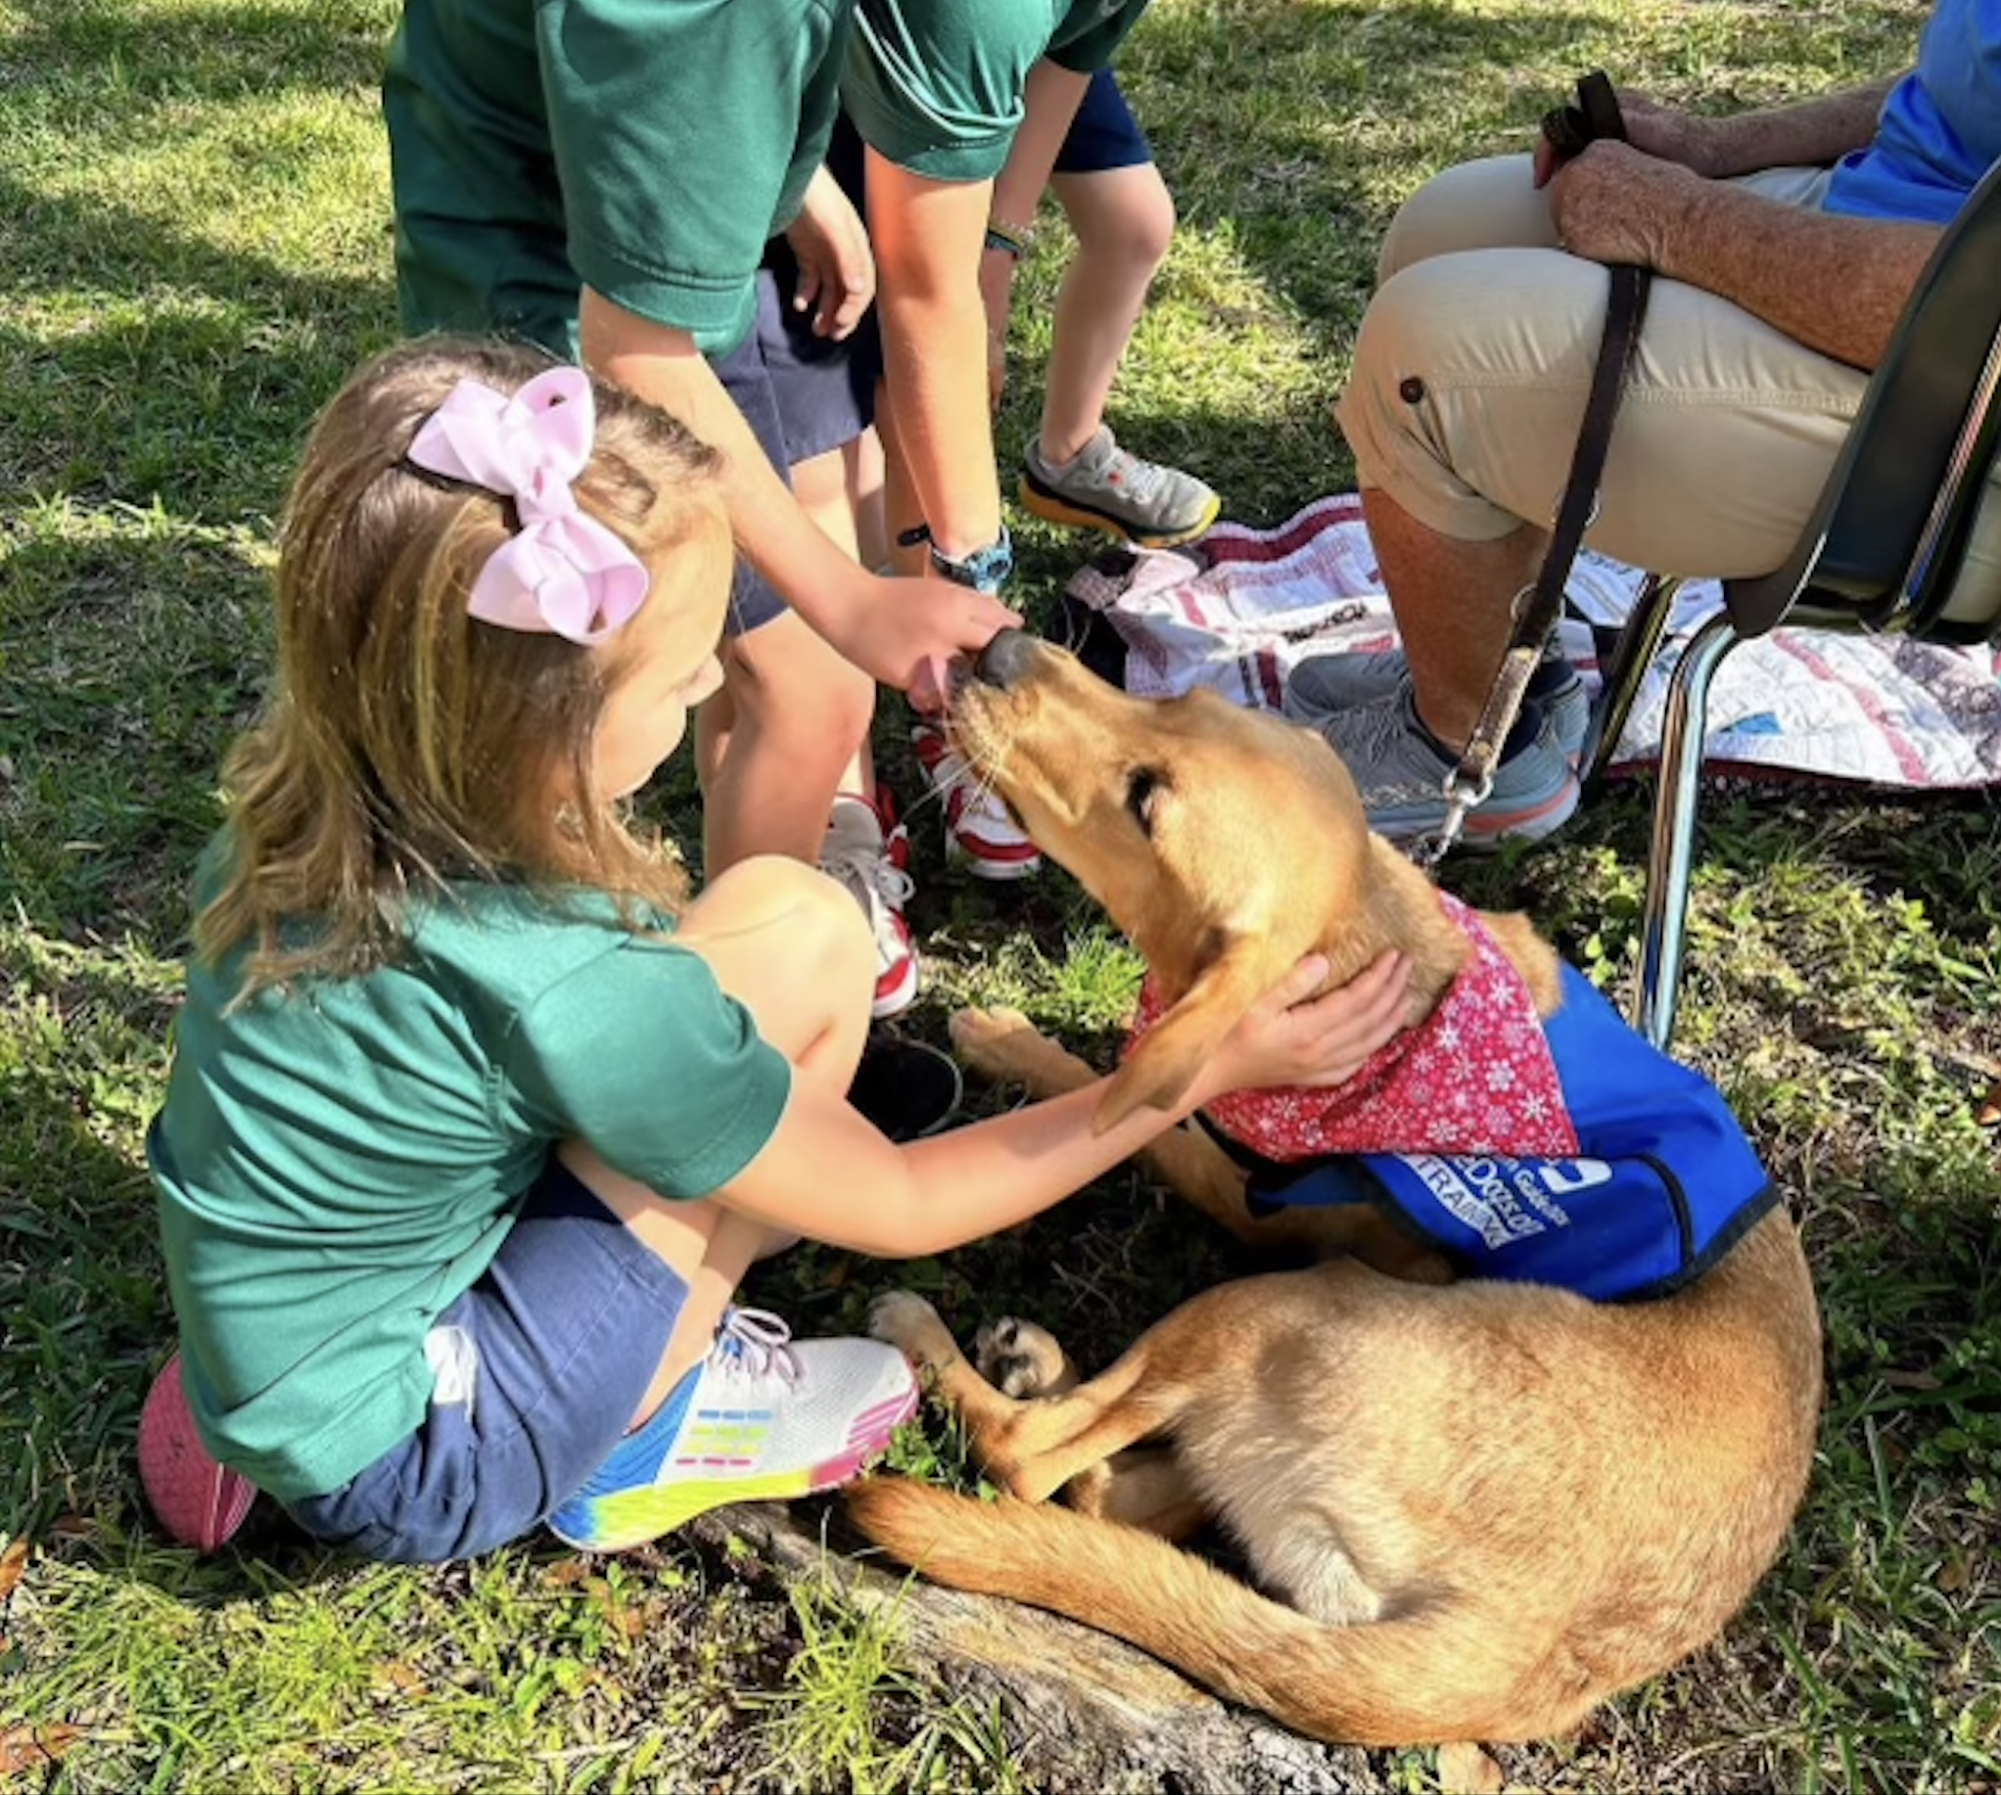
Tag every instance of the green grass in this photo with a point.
(193, 220)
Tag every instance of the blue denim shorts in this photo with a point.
(538, 1371)
(1104, 134)
(801, 394)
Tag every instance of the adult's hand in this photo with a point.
(904, 632)
(836, 265)
(1666, 132)
(1614, 203)
(1684, 138)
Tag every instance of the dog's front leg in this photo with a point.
(1031, 1449)
(1005, 1047)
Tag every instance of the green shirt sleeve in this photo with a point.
(935, 85)
(641, 1053)
(1091, 34)
(684, 132)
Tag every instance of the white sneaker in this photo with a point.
(762, 1418)
(869, 860)
(979, 833)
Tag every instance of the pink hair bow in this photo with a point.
(562, 573)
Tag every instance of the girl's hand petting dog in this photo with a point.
(1292, 1037)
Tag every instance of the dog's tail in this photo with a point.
(1416, 1680)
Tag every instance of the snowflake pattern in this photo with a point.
(1476, 1076)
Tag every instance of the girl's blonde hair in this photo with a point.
(406, 745)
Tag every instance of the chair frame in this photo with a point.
(1881, 552)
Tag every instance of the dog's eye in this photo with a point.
(1142, 783)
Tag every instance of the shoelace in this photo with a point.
(1384, 729)
(871, 869)
(754, 1342)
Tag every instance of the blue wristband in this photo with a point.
(984, 570)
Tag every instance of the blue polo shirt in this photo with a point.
(1940, 129)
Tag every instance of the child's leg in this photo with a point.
(737, 1410)
(789, 729)
(789, 946)
(787, 732)
(1123, 219)
(1075, 471)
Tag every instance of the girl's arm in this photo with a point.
(828, 1174)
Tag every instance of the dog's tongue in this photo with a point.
(932, 685)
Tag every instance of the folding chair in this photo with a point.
(1882, 552)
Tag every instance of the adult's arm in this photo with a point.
(899, 631)
(1837, 284)
(1805, 134)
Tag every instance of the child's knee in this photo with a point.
(1150, 222)
(803, 930)
(1131, 224)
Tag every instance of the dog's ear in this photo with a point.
(1164, 1061)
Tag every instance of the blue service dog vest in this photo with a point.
(1664, 1185)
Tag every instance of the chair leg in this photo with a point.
(1639, 641)
(1670, 859)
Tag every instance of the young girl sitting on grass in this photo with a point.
(476, 1120)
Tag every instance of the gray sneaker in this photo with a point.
(1327, 684)
(1402, 777)
(1107, 488)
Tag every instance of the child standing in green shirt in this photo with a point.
(643, 186)
(476, 1119)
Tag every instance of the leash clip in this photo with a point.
(1465, 790)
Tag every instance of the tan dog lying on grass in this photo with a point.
(1482, 1506)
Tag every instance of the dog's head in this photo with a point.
(1226, 843)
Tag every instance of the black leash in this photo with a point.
(1538, 607)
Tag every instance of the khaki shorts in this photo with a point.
(1476, 355)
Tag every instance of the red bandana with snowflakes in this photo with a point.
(1475, 1076)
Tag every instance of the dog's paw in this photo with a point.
(989, 1040)
(1020, 1359)
(1004, 1047)
(909, 1323)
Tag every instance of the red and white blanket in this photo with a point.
(1237, 610)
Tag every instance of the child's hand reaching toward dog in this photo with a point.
(1292, 1037)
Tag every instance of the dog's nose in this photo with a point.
(1004, 660)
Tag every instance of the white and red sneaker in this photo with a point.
(979, 833)
(867, 851)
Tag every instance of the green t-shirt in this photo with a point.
(337, 1164)
(649, 148)
(935, 86)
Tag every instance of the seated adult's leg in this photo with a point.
(1491, 203)
(1494, 203)
(1471, 375)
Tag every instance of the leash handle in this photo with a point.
(1596, 115)
(1538, 607)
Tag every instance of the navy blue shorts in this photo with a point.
(1104, 135)
(539, 1369)
(801, 394)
